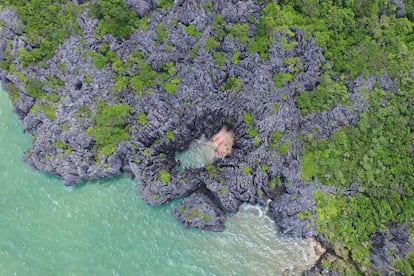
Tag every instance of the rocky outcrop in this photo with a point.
(228, 86)
(200, 211)
(389, 246)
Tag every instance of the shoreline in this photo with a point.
(104, 104)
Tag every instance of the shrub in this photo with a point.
(248, 118)
(164, 176)
(235, 58)
(233, 83)
(208, 7)
(169, 135)
(192, 30)
(171, 86)
(372, 155)
(115, 18)
(142, 118)
(247, 170)
(44, 108)
(219, 59)
(47, 24)
(239, 31)
(283, 79)
(327, 94)
(211, 43)
(164, 4)
(161, 33)
(110, 127)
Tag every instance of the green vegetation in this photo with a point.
(208, 7)
(264, 168)
(110, 126)
(232, 84)
(115, 18)
(248, 118)
(171, 86)
(275, 182)
(283, 79)
(219, 27)
(125, 78)
(378, 153)
(252, 129)
(235, 58)
(270, 21)
(164, 4)
(47, 24)
(61, 145)
(304, 215)
(161, 33)
(211, 43)
(239, 31)
(219, 59)
(142, 118)
(247, 170)
(44, 108)
(276, 143)
(191, 30)
(169, 135)
(164, 176)
(323, 97)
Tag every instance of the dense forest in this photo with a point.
(370, 162)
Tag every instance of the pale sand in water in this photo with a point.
(224, 141)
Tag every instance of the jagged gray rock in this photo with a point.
(256, 171)
(389, 246)
(200, 211)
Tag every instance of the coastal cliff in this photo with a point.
(125, 85)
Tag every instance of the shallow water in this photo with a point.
(103, 228)
(199, 154)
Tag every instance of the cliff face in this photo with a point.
(126, 96)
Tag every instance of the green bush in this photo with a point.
(59, 144)
(248, 118)
(219, 59)
(44, 108)
(211, 43)
(247, 170)
(191, 30)
(164, 176)
(235, 58)
(275, 182)
(208, 7)
(164, 4)
(161, 33)
(169, 135)
(142, 118)
(232, 84)
(239, 31)
(115, 18)
(171, 86)
(110, 126)
(327, 94)
(283, 79)
(47, 24)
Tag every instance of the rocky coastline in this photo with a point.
(261, 168)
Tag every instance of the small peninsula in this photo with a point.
(314, 99)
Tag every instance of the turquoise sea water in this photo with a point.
(103, 228)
